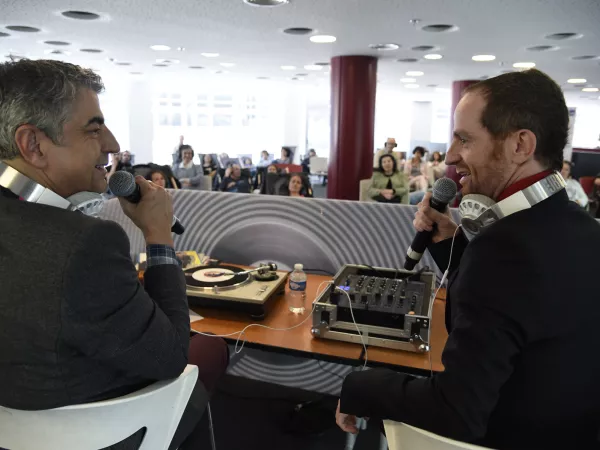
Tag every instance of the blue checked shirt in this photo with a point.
(157, 255)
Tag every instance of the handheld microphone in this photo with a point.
(444, 191)
(123, 184)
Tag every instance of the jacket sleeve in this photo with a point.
(478, 358)
(108, 316)
(374, 188)
(401, 186)
(198, 175)
(441, 251)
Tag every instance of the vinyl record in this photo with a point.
(220, 277)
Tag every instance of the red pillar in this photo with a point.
(353, 86)
(457, 90)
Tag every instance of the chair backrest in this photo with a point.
(158, 408)
(290, 167)
(318, 164)
(363, 195)
(587, 183)
(404, 437)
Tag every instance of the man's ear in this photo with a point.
(28, 139)
(524, 145)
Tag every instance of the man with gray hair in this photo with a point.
(76, 325)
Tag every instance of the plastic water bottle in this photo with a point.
(297, 296)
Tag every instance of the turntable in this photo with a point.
(234, 288)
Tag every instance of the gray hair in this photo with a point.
(39, 93)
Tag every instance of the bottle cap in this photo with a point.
(298, 266)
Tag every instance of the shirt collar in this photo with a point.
(522, 184)
(189, 165)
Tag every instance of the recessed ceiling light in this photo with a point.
(23, 28)
(221, 72)
(313, 67)
(160, 47)
(2, 34)
(262, 78)
(210, 55)
(226, 64)
(408, 80)
(137, 74)
(423, 48)
(91, 50)
(432, 85)
(440, 28)
(122, 63)
(196, 67)
(523, 65)
(481, 58)
(415, 73)
(160, 65)
(81, 15)
(576, 80)
(407, 60)
(384, 47)
(298, 31)
(288, 67)
(52, 51)
(590, 89)
(585, 57)
(411, 86)
(563, 36)
(180, 49)
(167, 61)
(323, 39)
(61, 43)
(433, 56)
(301, 75)
(323, 64)
(266, 2)
(542, 48)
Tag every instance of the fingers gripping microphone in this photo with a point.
(444, 191)
(123, 184)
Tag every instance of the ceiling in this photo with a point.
(252, 37)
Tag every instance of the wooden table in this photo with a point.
(300, 340)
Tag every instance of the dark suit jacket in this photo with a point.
(523, 313)
(76, 325)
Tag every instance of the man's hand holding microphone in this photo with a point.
(426, 217)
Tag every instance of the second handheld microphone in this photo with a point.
(122, 184)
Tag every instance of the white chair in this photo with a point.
(404, 437)
(91, 426)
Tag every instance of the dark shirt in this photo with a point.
(209, 169)
(240, 185)
(389, 184)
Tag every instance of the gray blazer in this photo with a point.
(76, 326)
(195, 174)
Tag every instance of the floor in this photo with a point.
(250, 414)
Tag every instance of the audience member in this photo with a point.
(388, 184)
(306, 161)
(388, 149)
(596, 194)
(295, 186)
(233, 181)
(189, 174)
(574, 190)
(265, 159)
(120, 161)
(272, 169)
(286, 156)
(209, 167)
(82, 328)
(416, 169)
(160, 178)
(437, 167)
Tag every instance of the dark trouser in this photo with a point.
(381, 199)
(211, 355)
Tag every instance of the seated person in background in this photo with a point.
(272, 168)
(388, 149)
(208, 166)
(416, 169)
(388, 184)
(159, 178)
(69, 336)
(295, 186)
(437, 165)
(596, 194)
(286, 156)
(233, 181)
(120, 161)
(306, 161)
(574, 190)
(189, 174)
(265, 160)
